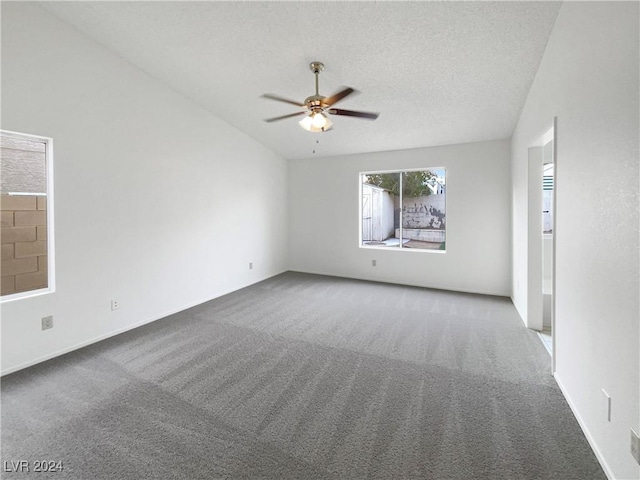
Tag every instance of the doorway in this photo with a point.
(542, 187)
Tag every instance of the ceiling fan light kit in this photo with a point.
(316, 107)
(316, 122)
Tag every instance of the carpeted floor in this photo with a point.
(307, 377)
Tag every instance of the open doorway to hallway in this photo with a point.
(548, 220)
(542, 188)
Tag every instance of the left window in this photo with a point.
(26, 170)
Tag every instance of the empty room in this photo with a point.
(320, 240)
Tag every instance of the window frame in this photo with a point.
(400, 248)
(51, 287)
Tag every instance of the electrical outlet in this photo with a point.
(47, 322)
(373, 263)
(250, 265)
(606, 406)
(635, 445)
(115, 305)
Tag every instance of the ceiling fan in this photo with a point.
(316, 107)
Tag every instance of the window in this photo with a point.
(27, 216)
(547, 199)
(403, 209)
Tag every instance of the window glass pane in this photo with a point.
(381, 209)
(547, 199)
(423, 209)
(23, 168)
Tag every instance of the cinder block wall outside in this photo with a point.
(24, 243)
(424, 212)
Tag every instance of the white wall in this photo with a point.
(158, 203)
(588, 78)
(324, 224)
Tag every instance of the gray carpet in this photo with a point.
(303, 376)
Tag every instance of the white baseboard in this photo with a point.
(408, 284)
(585, 430)
(86, 343)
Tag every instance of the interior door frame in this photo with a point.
(534, 235)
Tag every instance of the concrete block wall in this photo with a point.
(422, 234)
(424, 212)
(23, 236)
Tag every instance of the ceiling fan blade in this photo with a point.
(275, 119)
(353, 113)
(336, 97)
(278, 98)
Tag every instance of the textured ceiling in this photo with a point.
(437, 72)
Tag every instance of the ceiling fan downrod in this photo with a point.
(316, 68)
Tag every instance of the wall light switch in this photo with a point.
(373, 263)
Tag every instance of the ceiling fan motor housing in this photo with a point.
(314, 102)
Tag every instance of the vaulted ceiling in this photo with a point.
(437, 72)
